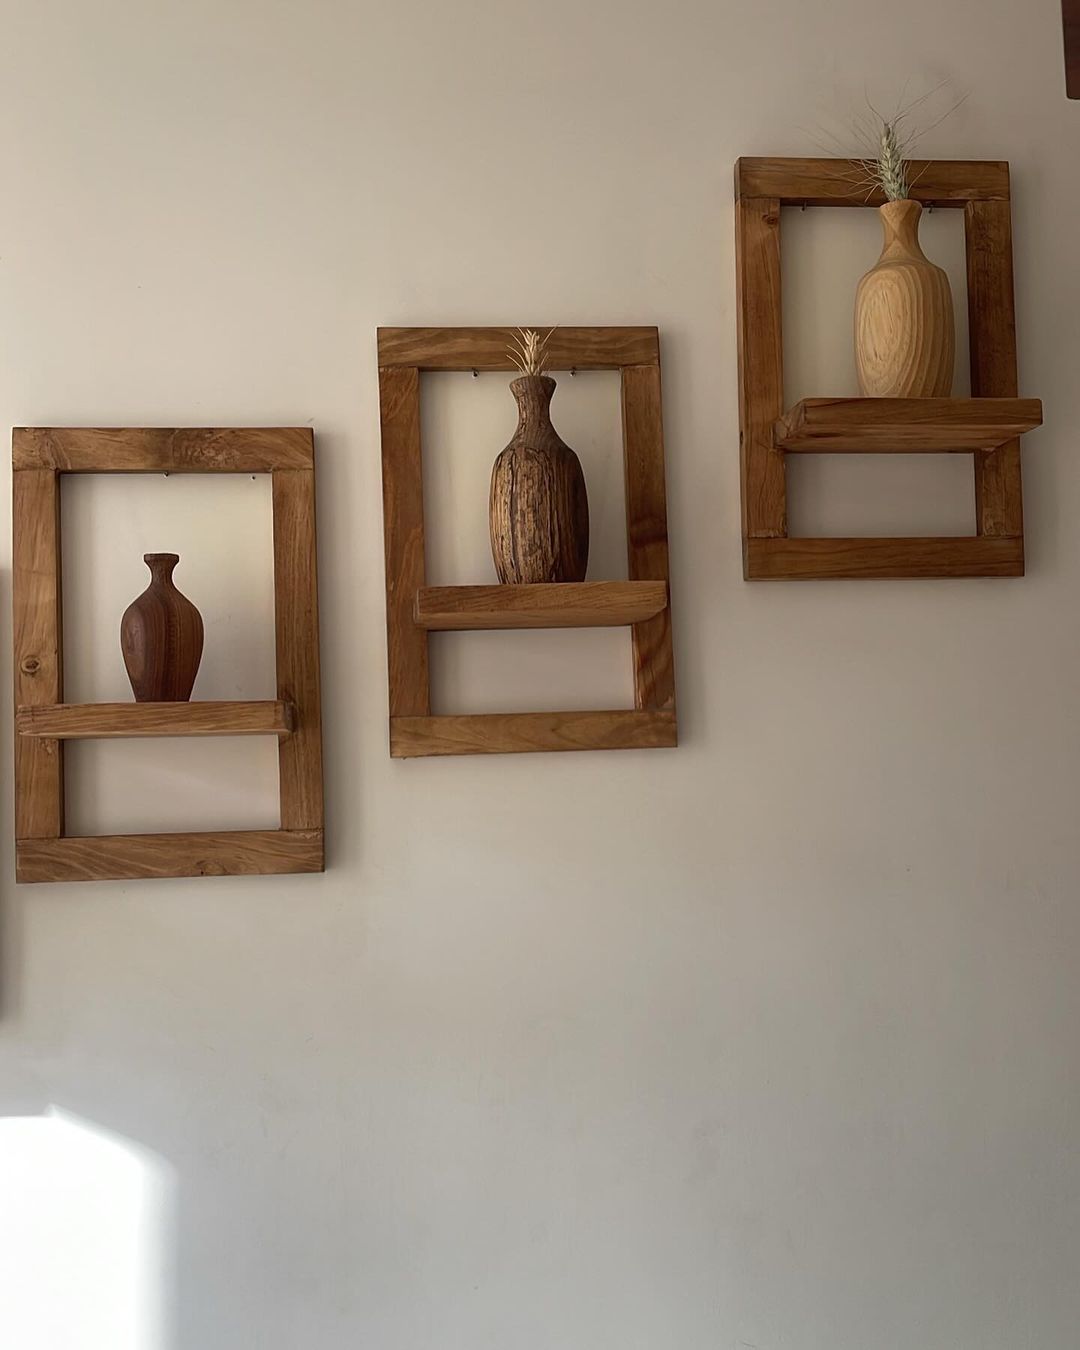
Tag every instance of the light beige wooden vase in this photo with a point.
(905, 338)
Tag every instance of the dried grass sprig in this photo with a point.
(887, 143)
(889, 170)
(529, 350)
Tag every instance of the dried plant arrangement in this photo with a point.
(893, 139)
(885, 142)
(889, 170)
(528, 350)
(904, 329)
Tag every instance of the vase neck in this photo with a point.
(161, 565)
(533, 394)
(900, 223)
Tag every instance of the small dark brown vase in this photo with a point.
(161, 636)
(539, 510)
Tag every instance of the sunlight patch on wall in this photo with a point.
(83, 1226)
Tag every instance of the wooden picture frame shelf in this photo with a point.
(988, 424)
(414, 610)
(43, 721)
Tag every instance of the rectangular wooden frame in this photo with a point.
(413, 609)
(981, 190)
(42, 850)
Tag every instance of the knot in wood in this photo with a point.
(30, 665)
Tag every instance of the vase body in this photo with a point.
(905, 337)
(538, 509)
(161, 637)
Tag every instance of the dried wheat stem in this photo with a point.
(529, 350)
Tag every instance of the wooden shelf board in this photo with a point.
(810, 559)
(509, 733)
(904, 425)
(215, 854)
(581, 604)
(109, 721)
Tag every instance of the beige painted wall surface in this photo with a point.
(768, 1043)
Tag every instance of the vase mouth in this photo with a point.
(153, 560)
(523, 381)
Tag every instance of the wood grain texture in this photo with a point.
(487, 348)
(162, 449)
(38, 656)
(836, 182)
(583, 604)
(904, 426)
(814, 559)
(120, 857)
(538, 509)
(161, 637)
(999, 493)
(761, 365)
(1070, 16)
(121, 721)
(646, 532)
(905, 333)
(403, 540)
(514, 733)
(296, 626)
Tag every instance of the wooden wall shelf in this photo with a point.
(904, 425)
(570, 604)
(119, 721)
(989, 424)
(414, 610)
(43, 852)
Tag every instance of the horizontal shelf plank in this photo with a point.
(110, 721)
(122, 856)
(487, 348)
(509, 733)
(904, 425)
(810, 559)
(842, 182)
(572, 604)
(162, 449)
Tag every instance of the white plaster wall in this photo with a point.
(769, 1042)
